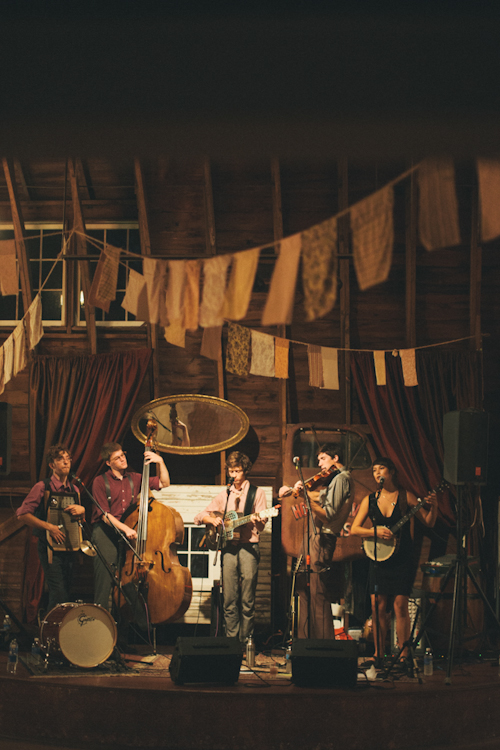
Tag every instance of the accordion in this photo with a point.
(56, 514)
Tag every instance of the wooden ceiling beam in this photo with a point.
(411, 261)
(208, 194)
(345, 290)
(83, 177)
(81, 249)
(24, 192)
(19, 233)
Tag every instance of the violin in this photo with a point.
(318, 480)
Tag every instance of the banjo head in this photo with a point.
(385, 548)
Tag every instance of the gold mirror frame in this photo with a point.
(155, 408)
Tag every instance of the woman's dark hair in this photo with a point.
(384, 461)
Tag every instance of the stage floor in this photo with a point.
(141, 707)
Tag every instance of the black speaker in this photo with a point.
(5, 437)
(465, 438)
(206, 660)
(324, 663)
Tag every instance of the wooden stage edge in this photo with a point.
(270, 713)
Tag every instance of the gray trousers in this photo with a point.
(107, 541)
(239, 580)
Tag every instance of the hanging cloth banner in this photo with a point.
(239, 290)
(19, 348)
(35, 326)
(9, 283)
(379, 362)
(238, 350)
(281, 355)
(262, 355)
(136, 296)
(278, 309)
(488, 172)
(2, 383)
(214, 289)
(175, 334)
(373, 237)
(211, 343)
(319, 268)
(315, 366)
(103, 289)
(330, 364)
(8, 359)
(191, 301)
(438, 206)
(155, 274)
(409, 366)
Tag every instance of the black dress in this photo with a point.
(395, 575)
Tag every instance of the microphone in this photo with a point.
(72, 475)
(230, 482)
(296, 460)
(381, 481)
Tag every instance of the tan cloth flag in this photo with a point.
(35, 322)
(211, 343)
(373, 237)
(281, 354)
(175, 289)
(262, 354)
(191, 303)
(175, 334)
(103, 289)
(409, 366)
(330, 362)
(214, 289)
(488, 172)
(238, 350)
(278, 309)
(438, 206)
(8, 359)
(239, 289)
(154, 274)
(315, 366)
(20, 360)
(379, 362)
(136, 296)
(9, 283)
(319, 268)
(2, 383)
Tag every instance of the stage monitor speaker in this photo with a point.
(5, 437)
(324, 663)
(465, 438)
(206, 660)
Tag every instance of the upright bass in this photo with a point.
(158, 578)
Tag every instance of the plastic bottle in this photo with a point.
(428, 665)
(36, 654)
(250, 652)
(7, 624)
(12, 657)
(288, 660)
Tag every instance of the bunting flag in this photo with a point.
(373, 237)
(154, 273)
(409, 366)
(9, 283)
(278, 309)
(330, 366)
(211, 343)
(379, 362)
(319, 268)
(239, 289)
(103, 289)
(214, 289)
(191, 302)
(2, 383)
(175, 289)
(238, 350)
(8, 359)
(262, 354)
(488, 172)
(281, 355)
(20, 360)
(438, 206)
(315, 366)
(175, 334)
(136, 296)
(35, 325)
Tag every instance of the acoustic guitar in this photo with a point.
(231, 522)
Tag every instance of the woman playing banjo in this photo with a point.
(394, 571)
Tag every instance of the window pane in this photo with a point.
(51, 305)
(33, 247)
(55, 280)
(6, 234)
(8, 307)
(197, 538)
(199, 566)
(117, 237)
(134, 241)
(185, 542)
(116, 311)
(52, 244)
(183, 559)
(122, 276)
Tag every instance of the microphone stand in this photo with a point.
(311, 524)
(375, 571)
(219, 549)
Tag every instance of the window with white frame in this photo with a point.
(194, 554)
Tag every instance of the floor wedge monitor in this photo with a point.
(206, 660)
(324, 663)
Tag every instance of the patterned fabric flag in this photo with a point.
(8, 359)
(211, 343)
(238, 350)
(2, 383)
(20, 360)
(191, 303)
(373, 237)
(278, 309)
(35, 326)
(239, 289)
(319, 268)
(315, 366)
(154, 274)
(262, 354)
(488, 172)
(9, 283)
(379, 361)
(136, 296)
(103, 289)
(438, 206)
(214, 289)
(330, 364)
(409, 366)
(281, 354)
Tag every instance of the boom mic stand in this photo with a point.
(310, 525)
(220, 605)
(379, 646)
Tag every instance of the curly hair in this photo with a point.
(55, 452)
(236, 458)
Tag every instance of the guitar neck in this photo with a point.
(407, 517)
(240, 521)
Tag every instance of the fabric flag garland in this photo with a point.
(238, 350)
(214, 289)
(9, 283)
(35, 326)
(330, 365)
(239, 289)
(175, 334)
(8, 358)
(488, 171)
(278, 309)
(319, 268)
(136, 296)
(19, 348)
(154, 274)
(211, 343)
(438, 206)
(262, 354)
(373, 237)
(191, 302)
(409, 367)
(103, 289)
(281, 355)
(379, 362)
(315, 366)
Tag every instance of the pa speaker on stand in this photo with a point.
(465, 438)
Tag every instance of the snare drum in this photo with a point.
(85, 634)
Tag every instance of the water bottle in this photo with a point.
(288, 660)
(12, 657)
(428, 665)
(36, 654)
(7, 624)
(250, 652)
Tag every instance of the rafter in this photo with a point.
(19, 233)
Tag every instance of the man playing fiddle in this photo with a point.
(330, 508)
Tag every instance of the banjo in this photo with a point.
(387, 547)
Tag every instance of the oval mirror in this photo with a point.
(192, 424)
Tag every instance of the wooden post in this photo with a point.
(345, 292)
(476, 259)
(411, 261)
(18, 222)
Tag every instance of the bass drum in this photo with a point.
(85, 634)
